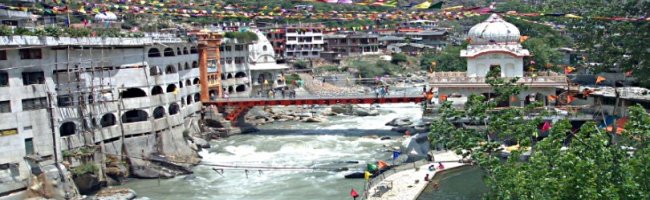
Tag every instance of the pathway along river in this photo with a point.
(342, 138)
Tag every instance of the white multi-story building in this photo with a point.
(249, 68)
(303, 41)
(123, 96)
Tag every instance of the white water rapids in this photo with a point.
(287, 144)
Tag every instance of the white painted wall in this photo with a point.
(511, 66)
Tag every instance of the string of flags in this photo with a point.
(424, 10)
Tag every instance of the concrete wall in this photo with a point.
(511, 66)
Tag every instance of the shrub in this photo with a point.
(53, 31)
(398, 58)
(78, 32)
(22, 31)
(6, 31)
(88, 168)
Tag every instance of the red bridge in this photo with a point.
(242, 105)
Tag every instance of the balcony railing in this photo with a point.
(529, 78)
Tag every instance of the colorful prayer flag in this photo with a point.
(354, 193)
(600, 79)
(366, 175)
(396, 154)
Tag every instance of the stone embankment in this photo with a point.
(409, 183)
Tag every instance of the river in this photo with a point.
(285, 145)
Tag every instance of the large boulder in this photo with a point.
(86, 183)
(201, 142)
(416, 147)
(341, 109)
(403, 121)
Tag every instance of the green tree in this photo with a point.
(447, 60)
(586, 166)
(398, 58)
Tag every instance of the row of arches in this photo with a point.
(155, 90)
(131, 116)
(171, 69)
(225, 76)
(169, 52)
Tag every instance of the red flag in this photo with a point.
(354, 193)
(628, 73)
(570, 99)
(546, 126)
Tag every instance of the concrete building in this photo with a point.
(235, 69)
(278, 40)
(494, 44)
(249, 67)
(304, 41)
(412, 49)
(108, 94)
(352, 44)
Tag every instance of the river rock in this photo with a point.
(373, 112)
(399, 122)
(341, 109)
(86, 183)
(116, 194)
(361, 112)
(313, 119)
(201, 142)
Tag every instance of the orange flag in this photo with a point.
(552, 97)
(523, 38)
(570, 99)
(600, 79)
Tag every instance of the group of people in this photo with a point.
(382, 91)
(283, 92)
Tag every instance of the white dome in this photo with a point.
(261, 51)
(494, 30)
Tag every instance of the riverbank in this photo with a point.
(409, 183)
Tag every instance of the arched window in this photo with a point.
(170, 69)
(154, 52)
(193, 50)
(68, 128)
(159, 112)
(180, 67)
(133, 93)
(91, 99)
(240, 88)
(187, 65)
(195, 64)
(264, 48)
(189, 99)
(229, 76)
(156, 90)
(197, 97)
(107, 120)
(134, 116)
(188, 82)
(168, 52)
(240, 75)
(196, 81)
(178, 51)
(231, 89)
(173, 109)
(154, 71)
(180, 84)
(223, 76)
(185, 51)
(171, 88)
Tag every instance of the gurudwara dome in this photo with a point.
(494, 30)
